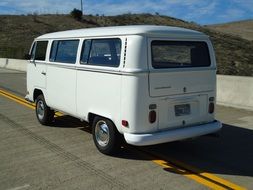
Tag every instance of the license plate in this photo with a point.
(183, 109)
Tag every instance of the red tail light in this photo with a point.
(152, 116)
(124, 123)
(211, 107)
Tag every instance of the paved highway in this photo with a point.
(63, 155)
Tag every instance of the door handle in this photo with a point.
(43, 73)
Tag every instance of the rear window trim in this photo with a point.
(180, 67)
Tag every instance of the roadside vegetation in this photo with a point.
(233, 53)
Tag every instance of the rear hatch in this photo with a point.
(181, 80)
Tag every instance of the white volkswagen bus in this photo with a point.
(145, 84)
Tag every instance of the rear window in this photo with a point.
(64, 51)
(102, 52)
(177, 54)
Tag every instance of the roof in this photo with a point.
(148, 30)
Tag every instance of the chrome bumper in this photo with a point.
(172, 135)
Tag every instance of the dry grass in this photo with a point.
(243, 29)
(234, 54)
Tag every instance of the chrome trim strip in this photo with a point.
(120, 72)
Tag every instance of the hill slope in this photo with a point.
(234, 54)
(242, 29)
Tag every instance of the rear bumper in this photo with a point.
(172, 135)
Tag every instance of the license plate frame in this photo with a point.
(182, 109)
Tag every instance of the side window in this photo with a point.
(64, 51)
(103, 52)
(39, 50)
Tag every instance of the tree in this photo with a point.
(76, 14)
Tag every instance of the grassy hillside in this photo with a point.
(243, 29)
(234, 54)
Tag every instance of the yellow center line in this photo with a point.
(22, 101)
(172, 165)
(188, 174)
(16, 99)
(207, 175)
(204, 178)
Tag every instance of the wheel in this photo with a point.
(105, 135)
(44, 114)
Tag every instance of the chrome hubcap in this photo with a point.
(40, 109)
(102, 133)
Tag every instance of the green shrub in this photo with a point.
(76, 14)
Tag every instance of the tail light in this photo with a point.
(152, 116)
(124, 123)
(211, 107)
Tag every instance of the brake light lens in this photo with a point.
(124, 123)
(211, 107)
(152, 116)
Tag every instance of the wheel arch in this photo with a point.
(92, 115)
(36, 93)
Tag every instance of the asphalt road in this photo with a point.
(63, 155)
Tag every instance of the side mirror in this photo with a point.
(27, 56)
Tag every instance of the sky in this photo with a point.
(199, 11)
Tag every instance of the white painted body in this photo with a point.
(126, 92)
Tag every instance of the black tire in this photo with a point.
(110, 145)
(44, 114)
